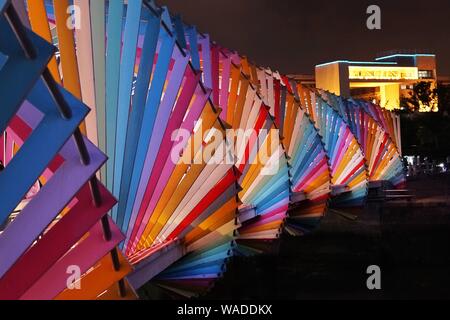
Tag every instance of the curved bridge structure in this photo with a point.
(134, 149)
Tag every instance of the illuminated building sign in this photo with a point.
(383, 73)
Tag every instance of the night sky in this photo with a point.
(292, 36)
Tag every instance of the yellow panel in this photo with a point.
(66, 43)
(226, 213)
(39, 24)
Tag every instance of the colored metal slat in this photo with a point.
(39, 24)
(137, 110)
(27, 226)
(66, 44)
(113, 49)
(56, 242)
(167, 143)
(26, 71)
(99, 62)
(179, 28)
(155, 263)
(94, 283)
(170, 171)
(3, 5)
(84, 255)
(193, 45)
(130, 38)
(150, 113)
(84, 54)
(161, 122)
(55, 131)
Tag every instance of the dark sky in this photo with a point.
(295, 35)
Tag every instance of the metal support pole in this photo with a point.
(20, 32)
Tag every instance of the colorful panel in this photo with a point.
(54, 188)
(382, 156)
(209, 154)
(348, 167)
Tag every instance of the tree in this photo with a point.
(422, 98)
(443, 93)
(426, 133)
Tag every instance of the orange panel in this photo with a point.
(39, 24)
(95, 282)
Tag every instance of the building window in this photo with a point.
(403, 87)
(425, 74)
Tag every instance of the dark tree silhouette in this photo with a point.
(422, 94)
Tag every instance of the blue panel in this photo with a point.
(138, 106)
(18, 70)
(179, 29)
(191, 261)
(193, 44)
(276, 196)
(3, 60)
(130, 39)
(211, 261)
(216, 270)
(114, 32)
(3, 5)
(151, 109)
(304, 164)
(302, 146)
(164, 112)
(54, 131)
(272, 186)
(165, 16)
(208, 268)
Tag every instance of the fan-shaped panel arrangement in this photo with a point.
(266, 183)
(254, 137)
(380, 151)
(261, 159)
(157, 128)
(389, 121)
(235, 82)
(38, 121)
(309, 164)
(348, 165)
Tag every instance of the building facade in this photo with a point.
(385, 80)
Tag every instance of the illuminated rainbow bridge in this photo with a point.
(120, 84)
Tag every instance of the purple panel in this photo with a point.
(48, 203)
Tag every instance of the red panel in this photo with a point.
(57, 241)
(204, 203)
(85, 255)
